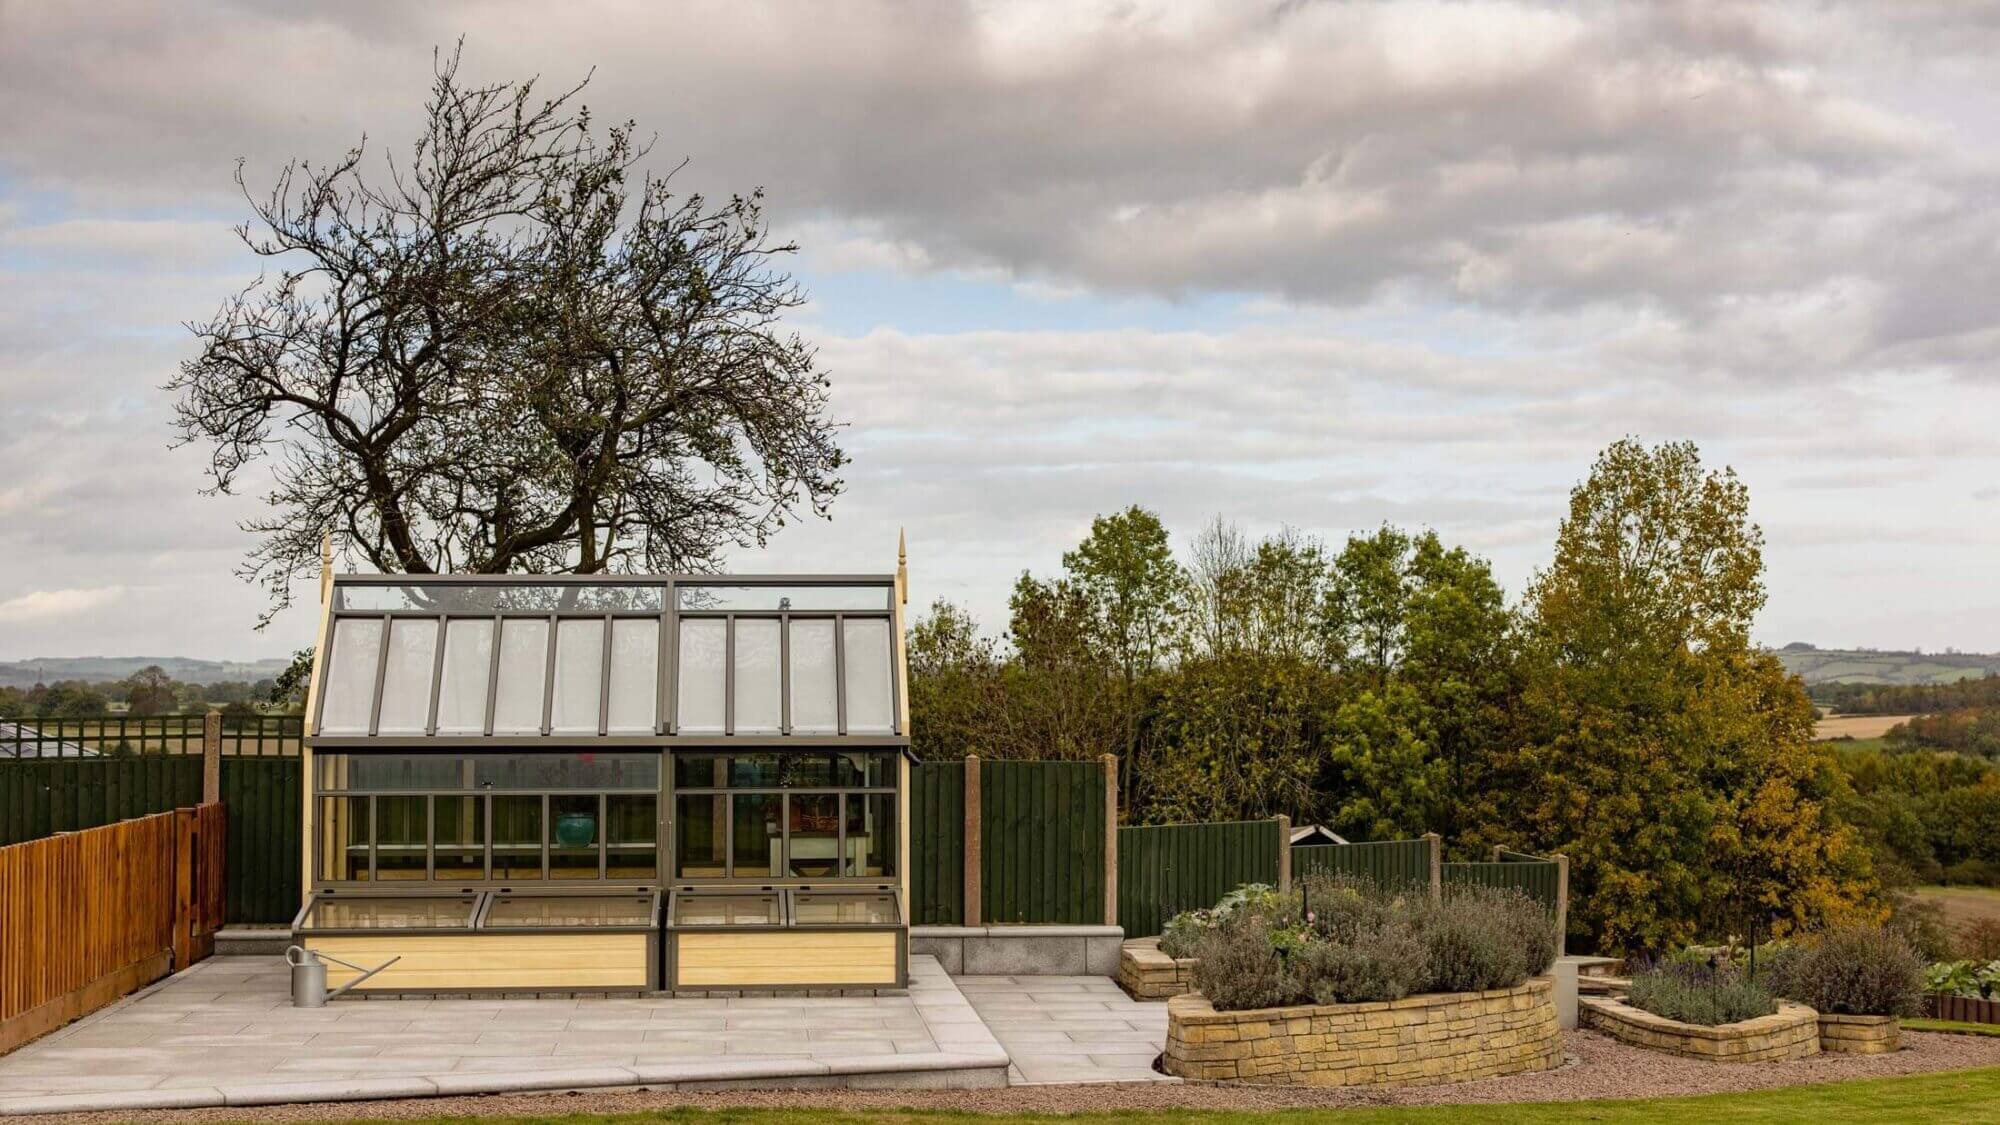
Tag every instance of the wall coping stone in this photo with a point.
(1018, 931)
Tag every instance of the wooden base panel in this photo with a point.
(491, 962)
(793, 958)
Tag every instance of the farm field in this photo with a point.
(1964, 907)
(1856, 726)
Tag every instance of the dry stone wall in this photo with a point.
(1417, 1041)
(1790, 1033)
(1148, 974)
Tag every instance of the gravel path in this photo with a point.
(1602, 1068)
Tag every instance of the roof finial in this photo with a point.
(902, 567)
(325, 566)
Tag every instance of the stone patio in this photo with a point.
(1070, 1029)
(224, 1033)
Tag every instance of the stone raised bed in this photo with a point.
(1417, 1041)
(1790, 1033)
(1148, 974)
(1859, 1035)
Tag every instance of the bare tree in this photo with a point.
(507, 355)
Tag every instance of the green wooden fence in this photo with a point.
(1390, 863)
(1164, 869)
(1041, 842)
(40, 797)
(263, 859)
(937, 844)
(1538, 878)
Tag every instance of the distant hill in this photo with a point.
(103, 669)
(1869, 666)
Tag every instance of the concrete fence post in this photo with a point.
(1437, 865)
(1110, 839)
(1284, 853)
(1562, 905)
(971, 845)
(1496, 853)
(211, 757)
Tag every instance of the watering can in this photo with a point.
(309, 976)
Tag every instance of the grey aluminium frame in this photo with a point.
(673, 791)
(666, 727)
(488, 845)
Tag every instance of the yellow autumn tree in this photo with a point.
(1658, 748)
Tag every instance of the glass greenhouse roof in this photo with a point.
(693, 659)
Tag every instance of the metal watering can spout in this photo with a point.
(309, 976)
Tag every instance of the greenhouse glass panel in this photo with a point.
(350, 676)
(870, 702)
(552, 911)
(631, 829)
(815, 708)
(821, 908)
(459, 824)
(574, 836)
(406, 679)
(524, 654)
(579, 677)
(517, 838)
(407, 912)
(778, 599)
(500, 597)
(700, 843)
(468, 659)
(703, 674)
(726, 910)
(635, 675)
(758, 688)
(402, 833)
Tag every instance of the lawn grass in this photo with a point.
(1951, 1027)
(1962, 1095)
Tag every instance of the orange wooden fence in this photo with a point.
(86, 917)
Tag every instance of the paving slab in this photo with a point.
(223, 1033)
(1069, 1029)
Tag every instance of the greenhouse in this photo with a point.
(690, 783)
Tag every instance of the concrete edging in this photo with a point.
(1021, 950)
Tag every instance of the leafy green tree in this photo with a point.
(150, 691)
(955, 684)
(1124, 570)
(1665, 755)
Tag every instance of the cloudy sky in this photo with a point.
(1317, 264)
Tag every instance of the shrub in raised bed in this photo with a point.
(1700, 992)
(1365, 944)
(1854, 971)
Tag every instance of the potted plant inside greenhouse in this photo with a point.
(609, 783)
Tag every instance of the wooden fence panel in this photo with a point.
(1534, 877)
(1164, 869)
(264, 798)
(86, 917)
(1041, 849)
(937, 844)
(1390, 863)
